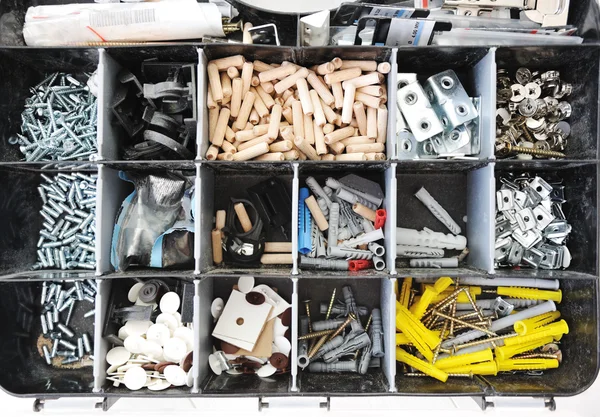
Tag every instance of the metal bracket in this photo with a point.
(418, 112)
(449, 99)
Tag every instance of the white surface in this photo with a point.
(306, 6)
(582, 405)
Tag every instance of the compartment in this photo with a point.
(150, 65)
(220, 183)
(462, 189)
(23, 69)
(370, 293)
(211, 384)
(576, 372)
(22, 222)
(306, 57)
(580, 180)
(379, 173)
(114, 191)
(579, 66)
(476, 71)
(113, 295)
(25, 371)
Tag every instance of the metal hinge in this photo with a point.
(516, 402)
(294, 402)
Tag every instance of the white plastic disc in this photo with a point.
(159, 385)
(153, 350)
(278, 328)
(216, 308)
(137, 327)
(169, 303)
(187, 335)
(266, 370)
(168, 320)
(178, 317)
(175, 349)
(158, 333)
(135, 378)
(117, 356)
(245, 284)
(175, 375)
(123, 333)
(190, 377)
(283, 345)
(134, 292)
(135, 344)
(214, 364)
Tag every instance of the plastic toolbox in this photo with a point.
(466, 187)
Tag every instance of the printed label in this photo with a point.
(390, 12)
(122, 18)
(409, 32)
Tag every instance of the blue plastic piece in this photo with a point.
(304, 223)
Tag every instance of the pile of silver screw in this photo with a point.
(57, 300)
(59, 121)
(531, 114)
(68, 236)
(531, 228)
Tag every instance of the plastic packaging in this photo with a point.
(464, 37)
(114, 22)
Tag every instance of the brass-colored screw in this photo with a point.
(314, 335)
(482, 341)
(557, 356)
(534, 152)
(307, 307)
(351, 317)
(330, 305)
(527, 134)
(418, 374)
(317, 346)
(464, 323)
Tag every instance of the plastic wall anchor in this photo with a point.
(547, 284)
(323, 206)
(376, 248)
(523, 327)
(376, 334)
(379, 263)
(359, 264)
(352, 198)
(349, 346)
(365, 360)
(304, 223)
(507, 352)
(405, 357)
(348, 253)
(329, 346)
(319, 263)
(365, 238)
(335, 184)
(461, 360)
(483, 368)
(421, 337)
(404, 297)
(487, 304)
(502, 323)
(526, 364)
(344, 233)
(352, 307)
(317, 190)
(530, 293)
(412, 251)
(429, 238)
(434, 263)
(334, 218)
(352, 220)
(341, 366)
(327, 324)
(380, 218)
(367, 225)
(419, 308)
(555, 330)
(303, 360)
(437, 210)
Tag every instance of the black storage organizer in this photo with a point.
(468, 188)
